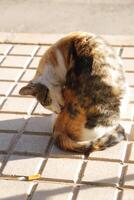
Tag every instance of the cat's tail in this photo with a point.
(67, 143)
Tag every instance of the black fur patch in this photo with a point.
(83, 64)
(71, 80)
(42, 94)
(72, 51)
(94, 119)
(94, 95)
(72, 110)
(83, 67)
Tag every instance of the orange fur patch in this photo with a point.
(66, 125)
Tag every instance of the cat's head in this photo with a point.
(39, 91)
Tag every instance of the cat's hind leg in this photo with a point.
(108, 140)
(68, 130)
(64, 141)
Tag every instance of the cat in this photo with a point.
(81, 78)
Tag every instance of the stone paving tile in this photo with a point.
(22, 165)
(129, 65)
(132, 133)
(9, 74)
(28, 75)
(96, 193)
(32, 144)
(16, 104)
(131, 94)
(130, 78)
(62, 168)
(40, 124)
(17, 88)
(11, 122)
(14, 61)
(128, 115)
(128, 52)
(5, 87)
(13, 190)
(5, 140)
(131, 158)
(35, 62)
(2, 100)
(56, 152)
(128, 194)
(22, 49)
(102, 172)
(124, 115)
(116, 152)
(40, 110)
(4, 48)
(50, 191)
(1, 58)
(129, 177)
(42, 50)
(128, 126)
(117, 50)
(18, 63)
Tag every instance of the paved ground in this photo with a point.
(26, 146)
(63, 16)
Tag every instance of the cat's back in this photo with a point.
(95, 54)
(106, 62)
(97, 79)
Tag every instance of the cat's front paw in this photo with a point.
(55, 107)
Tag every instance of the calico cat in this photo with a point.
(82, 79)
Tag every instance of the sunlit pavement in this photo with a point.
(26, 144)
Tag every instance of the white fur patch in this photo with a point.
(97, 132)
(53, 78)
(48, 77)
(61, 68)
(53, 75)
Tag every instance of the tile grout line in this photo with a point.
(12, 145)
(6, 52)
(41, 168)
(33, 187)
(79, 177)
(17, 137)
(20, 132)
(26, 64)
(4, 56)
(121, 52)
(73, 193)
(119, 194)
(124, 165)
(123, 168)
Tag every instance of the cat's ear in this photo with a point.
(30, 89)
